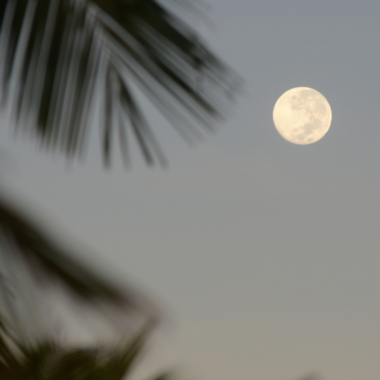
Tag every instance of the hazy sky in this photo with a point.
(265, 254)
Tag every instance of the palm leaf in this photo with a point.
(31, 259)
(65, 66)
(47, 360)
(39, 249)
(62, 59)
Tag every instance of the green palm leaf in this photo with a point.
(62, 59)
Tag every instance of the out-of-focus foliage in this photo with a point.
(20, 236)
(50, 361)
(61, 61)
(36, 274)
(65, 67)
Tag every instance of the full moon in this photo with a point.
(302, 115)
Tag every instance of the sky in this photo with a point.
(263, 254)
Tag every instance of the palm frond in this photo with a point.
(30, 260)
(39, 250)
(64, 60)
(51, 361)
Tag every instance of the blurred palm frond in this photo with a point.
(34, 267)
(64, 60)
(47, 360)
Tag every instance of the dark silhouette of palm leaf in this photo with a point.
(63, 60)
(22, 235)
(47, 360)
(31, 259)
(66, 66)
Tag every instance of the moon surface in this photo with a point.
(302, 115)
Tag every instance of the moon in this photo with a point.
(302, 115)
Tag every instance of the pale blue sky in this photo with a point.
(266, 254)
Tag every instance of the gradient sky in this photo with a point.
(264, 254)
